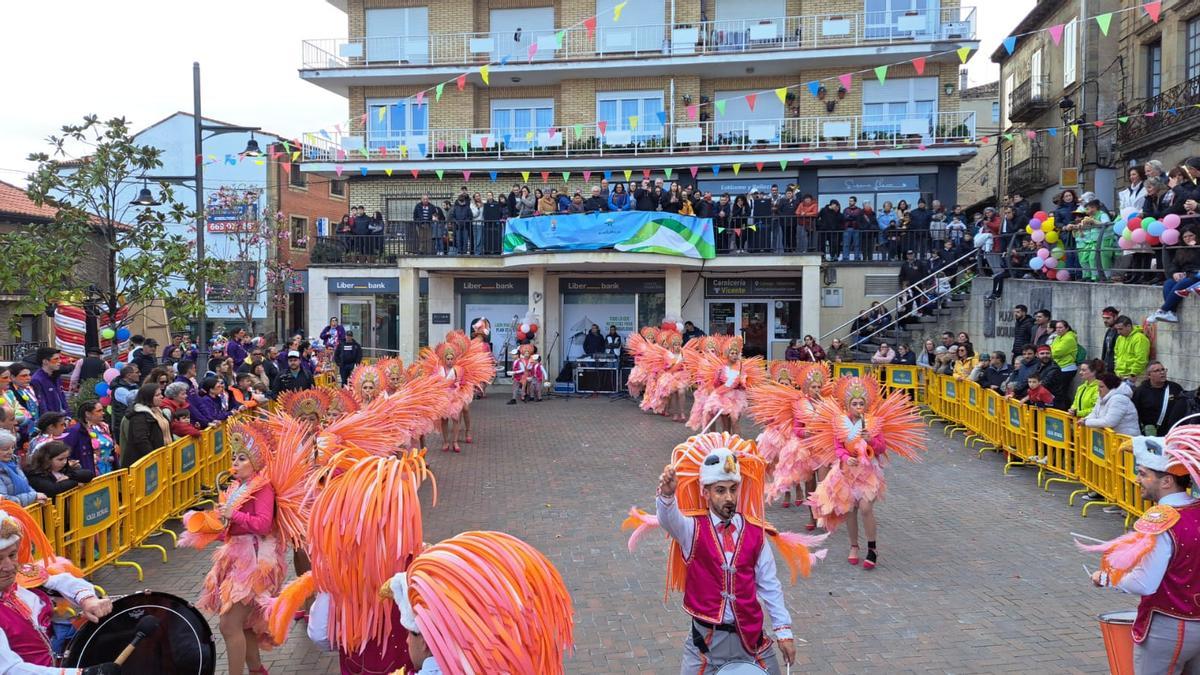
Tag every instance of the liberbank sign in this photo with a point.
(344, 285)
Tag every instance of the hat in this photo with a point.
(910, 252)
(940, 349)
(399, 587)
(720, 465)
(1043, 348)
(293, 354)
(1087, 197)
(1148, 452)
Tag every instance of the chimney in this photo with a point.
(962, 80)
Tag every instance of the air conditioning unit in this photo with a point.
(956, 30)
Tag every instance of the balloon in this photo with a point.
(1171, 220)
(533, 328)
(1139, 236)
(107, 400)
(1052, 237)
(1043, 253)
(1118, 227)
(1127, 235)
(1036, 264)
(1126, 244)
(1170, 237)
(1049, 273)
(101, 389)
(521, 335)
(524, 328)
(1035, 223)
(1048, 226)
(1051, 262)
(110, 375)
(1133, 223)
(123, 334)
(1028, 229)
(1147, 222)
(1038, 236)
(1063, 275)
(1153, 241)
(107, 333)
(1040, 215)
(1155, 229)
(1058, 252)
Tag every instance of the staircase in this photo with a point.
(914, 330)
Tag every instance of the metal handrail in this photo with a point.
(972, 254)
(915, 311)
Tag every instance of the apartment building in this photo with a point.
(1045, 88)
(978, 178)
(581, 91)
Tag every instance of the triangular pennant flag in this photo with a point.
(504, 60)
(694, 170)
(507, 138)
(633, 122)
(608, 175)
(287, 147)
(877, 152)
(461, 81)
(483, 73)
(324, 134)
(628, 173)
(1010, 44)
(338, 169)
(758, 166)
(578, 131)
(415, 173)
(462, 143)
(437, 91)
(525, 176)
(805, 160)
(1031, 134)
(814, 87)
(964, 53)
(1008, 137)
(719, 104)
(362, 119)
(720, 230)
(403, 151)
(847, 79)
(545, 176)
(985, 139)
(566, 176)
(552, 131)
(1052, 131)
(492, 175)
(692, 111)
(921, 147)
(716, 169)
(422, 148)
(750, 100)
(365, 153)
(1075, 129)
(484, 141)
(853, 155)
(1153, 10)
(668, 171)
(590, 24)
(1152, 113)
(341, 155)
(881, 73)
(362, 170)
(782, 92)
(618, 9)
(558, 38)
(1056, 33)
(587, 176)
(829, 158)
(1103, 20)
(662, 117)
(439, 173)
(1098, 123)
(287, 167)
(1123, 119)
(783, 165)
(338, 127)
(532, 51)
(388, 172)
(295, 155)
(919, 65)
(602, 126)
(646, 174)
(466, 176)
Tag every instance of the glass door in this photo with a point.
(722, 317)
(754, 328)
(358, 315)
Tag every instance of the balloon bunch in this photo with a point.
(1050, 255)
(1133, 231)
(671, 323)
(121, 334)
(528, 327)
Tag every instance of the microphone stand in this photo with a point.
(549, 357)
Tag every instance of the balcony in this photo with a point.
(870, 37)
(683, 140)
(1169, 116)
(1029, 99)
(1028, 176)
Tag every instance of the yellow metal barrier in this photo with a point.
(971, 411)
(151, 497)
(1056, 447)
(1096, 465)
(1127, 493)
(1018, 433)
(950, 391)
(843, 369)
(96, 527)
(46, 516)
(992, 425)
(185, 477)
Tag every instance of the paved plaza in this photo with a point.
(977, 571)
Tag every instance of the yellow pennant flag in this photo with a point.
(483, 72)
(295, 155)
(782, 94)
(633, 122)
(618, 9)
(382, 112)
(736, 169)
(525, 176)
(964, 53)
(388, 172)
(403, 151)
(1075, 129)
(529, 135)
(628, 173)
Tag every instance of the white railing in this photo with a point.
(802, 134)
(647, 40)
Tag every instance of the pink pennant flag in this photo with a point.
(877, 152)
(692, 110)
(362, 119)
(1056, 33)
(466, 176)
(532, 51)
(919, 65)
(383, 151)
(484, 141)
(646, 174)
(553, 131)
(338, 169)
(421, 97)
(921, 147)
(341, 155)
(750, 99)
(415, 173)
(590, 24)
(545, 176)
(805, 160)
(441, 145)
(694, 170)
(461, 81)
(602, 126)
(287, 167)
(846, 80)
(758, 166)
(587, 176)
(1153, 10)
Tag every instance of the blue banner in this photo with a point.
(627, 231)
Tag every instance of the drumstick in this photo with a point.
(710, 422)
(1084, 536)
(145, 627)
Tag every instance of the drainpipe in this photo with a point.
(671, 118)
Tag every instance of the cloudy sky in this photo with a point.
(67, 58)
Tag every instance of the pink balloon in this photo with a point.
(1128, 243)
(1038, 236)
(1043, 253)
(1051, 262)
(1139, 236)
(1063, 275)
(1171, 221)
(110, 375)
(1170, 237)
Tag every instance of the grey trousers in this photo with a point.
(723, 648)
(1172, 646)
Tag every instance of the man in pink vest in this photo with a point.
(729, 569)
(25, 609)
(1163, 548)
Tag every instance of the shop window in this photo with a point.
(337, 188)
(787, 320)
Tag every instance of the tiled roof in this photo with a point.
(15, 204)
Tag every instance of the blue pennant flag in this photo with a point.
(492, 174)
(421, 148)
(363, 170)
(662, 117)
(608, 175)
(1172, 111)
(507, 138)
(504, 60)
(1010, 44)
(829, 157)
(324, 134)
(716, 169)
(814, 87)
(230, 160)
(1052, 131)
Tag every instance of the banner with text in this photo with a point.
(626, 231)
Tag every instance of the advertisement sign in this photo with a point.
(347, 285)
(765, 287)
(567, 285)
(492, 285)
(625, 231)
(227, 219)
(504, 319)
(578, 318)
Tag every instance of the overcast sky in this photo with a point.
(67, 58)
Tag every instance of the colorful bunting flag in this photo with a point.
(805, 160)
(484, 141)
(758, 166)
(1010, 44)
(662, 117)
(1075, 129)
(529, 135)
(668, 171)
(566, 176)
(602, 126)
(750, 100)
(633, 122)
(1104, 20)
(782, 93)
(415, 173)
(1123, 119)
(387, 171)
(437, 93)
(492, 175)
(525, 176)
(532, 51)
(921, 147)
(719, 104)
(552, 131)
(1056, 33)
(590, 24)
(1031, 134)
(462, 143)
(504, 60)
(338, 168)
(646, 174)
(1052, 131)
(439, 173)
(814, 87)
(1098, 123)
(1153, 10)
(461, 81)
(694, 170)
(341, 155)
(628, 173)
(964, 53)
(692, 111)
(881, 73)
(545, 176)
(587, 176)
(783, 165)
(1008, 137)
(919, 65)
(578, 131)
(466, 176)
(716, 169)
(403, 151)
(608, 175)
(618, 9)
(483, 73)
(362, 170)
(295, 155)
(365, 152)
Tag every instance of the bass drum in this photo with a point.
(741, 668)
(182, 645)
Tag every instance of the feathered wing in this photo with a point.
(773, 404)
(755, 371)
(288, 469)
(705, 369)
(1182, 444)
(35, 545)
(478, 367)
(825, 430)
(1122, 555)
(896, 420)
(389, 422)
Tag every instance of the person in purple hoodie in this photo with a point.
(334, 334)
(234, 348)
(45, 382)
(186, 373)
(176, 341)
(205, 403)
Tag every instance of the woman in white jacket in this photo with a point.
(1114, 409)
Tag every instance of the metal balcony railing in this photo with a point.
(784, 33)
(1173, 112)
(1028, 175)
(1029, 99)
(15, 351)
(650, 138)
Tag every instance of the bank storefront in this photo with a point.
(503, 301)
(765, 311)
(625, 302)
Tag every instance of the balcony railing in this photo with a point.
(803, 134)
(15, 351)
(1029, 99)
(1171, 112)
(1028, 175)
(646, 40)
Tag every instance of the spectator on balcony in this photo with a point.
(786, 217)
(672, 201)
(912, 270)
(605, 191)
(477, 224)
(563, 199)
(886, 219)
(829, 223)
(526, 204)
(547, 204)
(461, 218)
(686, 208)
(703, 205)
(643, 197)
(851, 226)
(739, 216)
(1154, 169)
(577, 205)
(1182, 266)
(1185, 194)
(596, 202)
(424, 213)
(492, 212)
(619, 199)
(1133, 197)
(760, 224)
(362, 230)
(345, 233)
(1095, 241)
(806, 222)
(511, 201)
(919, 220)
(1114, 407)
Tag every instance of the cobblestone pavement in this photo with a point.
(977, 572)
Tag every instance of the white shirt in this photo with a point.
(74, 589)
(1146, 577)
(770, 591)
(430, 667)
(318, 623)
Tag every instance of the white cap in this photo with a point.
(720, 465)
(399, 586)
(1148, 452)
(293, 354)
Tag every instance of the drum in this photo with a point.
(182, 645)
(1117, 630)
(740, 668)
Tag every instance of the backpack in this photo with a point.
(1080, 354)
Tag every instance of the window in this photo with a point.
(1070, 51)
(398, 34)
(625, 36)
(518, 122)
(747, 24)
(1192, 49)
(892, 19)
(616, 108)
(298, 238)
(392, 123)
(514, 31)
(1009, 87)
(739, 121)
(902, 106)
(995, 112)
(296, 177)
(1070, 152)
(1035, 75)
(337, 188)
(1154, 69)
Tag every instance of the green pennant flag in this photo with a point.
(719, 104)
(1123, 119)
(881, 73)
(1103, 20)
(462, 143)
(566, 176)
(578, 131)
(558, 38)
(668, 171)
(783, 165)
(439, 173)
(437, 95)
(1008, 137)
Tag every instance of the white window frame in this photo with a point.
(409, 138)
(412, 44)
(1009, 87)
(1035, 74)
(648, 126)
(740, 121)
(909, 101)
(518, 140)
(1070, 52)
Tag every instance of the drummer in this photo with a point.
(25, 608)
(1166, 632)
